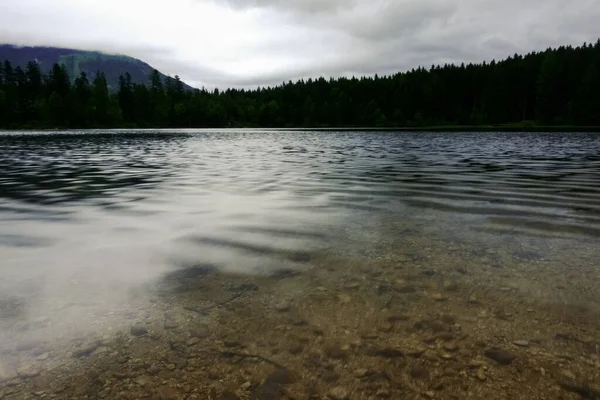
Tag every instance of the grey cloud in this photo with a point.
(306, 7)
(416, 55)
(197, 75)
(311, 38)
(390, 20)
(390, 36)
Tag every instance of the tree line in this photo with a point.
(554, 87)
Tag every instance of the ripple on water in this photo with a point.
(92, 214)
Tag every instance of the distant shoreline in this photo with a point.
(458, 128)
(466, 128)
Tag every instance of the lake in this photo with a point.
(265, 264)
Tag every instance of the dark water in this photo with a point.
(86, 216)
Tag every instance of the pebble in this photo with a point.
(231, 343)
(296, 348)
(335, 352)
(106, 340)
(246, 287)
(330, 376)
(362, 372)
(168, 393)
(388, 352)
(338, 393)
(86, 350)
(502, 357)
(448, 319)
(405, 288)
(142, 380)
(476, 363)
(370, 335)
(201, 331)
(193, 341)
(415, 352)
(521, 343)
(383, 393)
(419, 372)
(450, 346)
(282, 377)
(179, 362)
(170, 314)
(430, 394)
(246, 386)
(28, 371)
(344, 298)
(383, 289)
(214, 374)
(473, 300)
(138, 330)
(397, 317)
(100, 350)
(229, 395)
(439, 297)
(385, 327)
(567, 374)
(481, 374)
(445, 336)
(154, 369)
(483, 315)
(451, 287)
(282, 306)
(171, 324)
(584, 388)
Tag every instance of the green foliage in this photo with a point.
(548, 90)
(555, 87)
(587, 103)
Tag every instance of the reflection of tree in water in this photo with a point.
(53, 169)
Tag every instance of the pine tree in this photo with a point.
(587, 103)
(548, 102)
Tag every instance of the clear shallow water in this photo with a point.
(88, 218)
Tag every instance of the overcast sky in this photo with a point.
(257, 42)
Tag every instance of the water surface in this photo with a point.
(92, 221)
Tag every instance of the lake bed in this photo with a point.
(265, 265)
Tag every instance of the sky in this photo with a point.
(249, 43)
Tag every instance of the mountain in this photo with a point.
(77, 61)
(552, 89)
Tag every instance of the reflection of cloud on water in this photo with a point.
(96, 221)
(101, 262)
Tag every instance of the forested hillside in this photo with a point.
(77, 61)
(554, 87)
